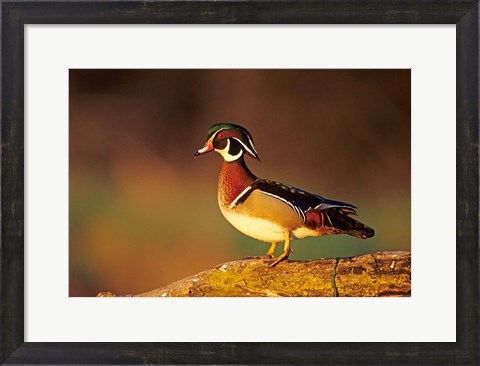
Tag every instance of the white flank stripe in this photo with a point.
(299, 212)
(234, 203)
(323, 206)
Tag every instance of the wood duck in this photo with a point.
(270, 211)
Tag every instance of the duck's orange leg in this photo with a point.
(271, 251)
(286, 251)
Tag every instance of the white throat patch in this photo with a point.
(226, 155)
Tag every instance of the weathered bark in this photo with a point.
(377, 274)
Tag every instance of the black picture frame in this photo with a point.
(16, 14)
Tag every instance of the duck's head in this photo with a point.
(229, 140)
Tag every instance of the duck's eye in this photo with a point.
(221, 135)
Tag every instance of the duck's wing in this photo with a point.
(297, 198)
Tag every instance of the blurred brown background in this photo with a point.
(143, 211)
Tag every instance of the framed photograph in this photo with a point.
(365, 128)
(134, 185)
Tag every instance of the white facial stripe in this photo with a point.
(246, 147)
(215, 134)
(226, 155)
(234, 203)
(251, 143)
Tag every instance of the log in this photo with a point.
(376, 274)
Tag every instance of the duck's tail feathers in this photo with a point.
(336, 220)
